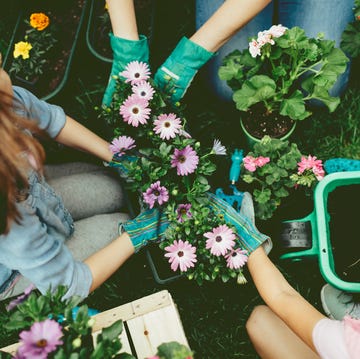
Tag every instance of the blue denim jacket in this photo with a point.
(35, 247)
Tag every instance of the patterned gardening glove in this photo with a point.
(176, 73)
(249, 236)
(124, 51)
(148, 226)
(118, 162)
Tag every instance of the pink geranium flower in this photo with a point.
(156, 194)
(167, 126)
(181, 254)
(254, 48)
(277, 30)
(261, 161)
(41, 339)
(313, 164)
(252, 163)
(185, 160)
(135, 110)
(144, 90)
(183, 211)
(121, 144)
(236, 258)
(220, 240)
(136, 72)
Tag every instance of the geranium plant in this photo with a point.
(169, 170)
(30, 54)
(274, 169)
(350, 39)
(282, 70)
(51, 327)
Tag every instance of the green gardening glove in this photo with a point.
(148, 226)
(124, 51)
(249, 236)
(176, 73)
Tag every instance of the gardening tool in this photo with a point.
(313, 230)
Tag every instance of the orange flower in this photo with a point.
(39, 21)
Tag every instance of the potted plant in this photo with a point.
(43, 44)
(276, 169)
(350, 39)
(276, 77)
(51, 327)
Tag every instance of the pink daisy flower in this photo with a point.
(236, 258)
(144, 90)
(220, 240)
(167, 126)
(135, 110)
(183, 211)
(181, 254)
(41, 339)
(185, 160)
(121, 144)
(156, 194)
(136, 72)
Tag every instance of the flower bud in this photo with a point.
(91, 322)
(76, 343)
(197, 144)
(175, 192)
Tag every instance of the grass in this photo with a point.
(213, 315)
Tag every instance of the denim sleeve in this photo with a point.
(43, 259)
(51, 118)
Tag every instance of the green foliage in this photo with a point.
(275, 180)
(350, 38)
(173, 350)
(41, 43)
(286, 75)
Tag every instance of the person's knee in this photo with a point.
(253, 324)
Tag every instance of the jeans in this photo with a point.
(314, 16)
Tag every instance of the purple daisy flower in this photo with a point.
(167, 126)
(220, 240)
(21, 298)
(134, 110)
(185, 160)
(144, 90)
(121, 144)
(236, 258)
(156, 193)
(181, 254)
(41, 339)
(136, 72)
(183, 211)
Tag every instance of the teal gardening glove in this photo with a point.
(148, 226)
(176, 73)
(244, 221)
(124, 51)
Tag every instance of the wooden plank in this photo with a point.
(154, 328)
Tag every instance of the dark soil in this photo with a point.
(99, 25)
(343, 209)
(65, 16)
(258, 124)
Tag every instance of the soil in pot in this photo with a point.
(66, 17)
(99, 26)
(343, 208)
(258, 123)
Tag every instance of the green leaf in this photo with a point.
(113, 331)
(294, 107)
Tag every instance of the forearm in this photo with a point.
(123, 19)
(78, 136)
(231, 16)
(105, 262)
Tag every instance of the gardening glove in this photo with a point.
(148, 226)
(117, 162)
(176, 73)
(249, 236)
(124, 51)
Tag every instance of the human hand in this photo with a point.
(148, 226)
(244, 222)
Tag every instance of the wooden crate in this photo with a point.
(149, 322)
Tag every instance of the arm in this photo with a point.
(75, 135)
(231, 16)
(282, 298)
(123, 19)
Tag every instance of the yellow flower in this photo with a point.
(39, 21)
(22, 48)
(106, 7)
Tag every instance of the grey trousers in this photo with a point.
(95, 199)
